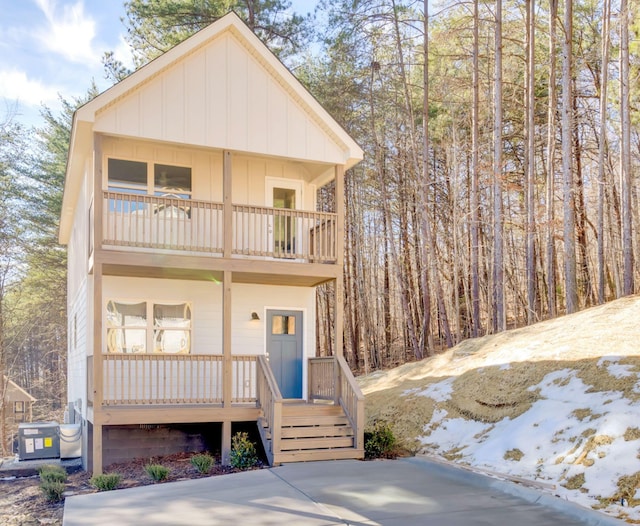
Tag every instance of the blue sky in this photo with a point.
(51, 47)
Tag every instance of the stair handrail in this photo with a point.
(269, 399)
(351, 399)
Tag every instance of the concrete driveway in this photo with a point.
(401, 492)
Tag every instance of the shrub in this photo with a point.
(202, 462)
(379, 441)
(53, 490)
(243, 452)
(52, 473)
(106, 481)
(157, 472)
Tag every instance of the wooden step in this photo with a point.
(317, 455)
(311, 409)
(314, 420)
(315, 443)
(317, 431)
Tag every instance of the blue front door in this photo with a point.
(284, 349)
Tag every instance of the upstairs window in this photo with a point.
(127, 176)
(137, 177)
(172, 181)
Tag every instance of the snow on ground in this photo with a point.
(579, 430)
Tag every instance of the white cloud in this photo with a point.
(70, 32)
(122, 52)
(15, 85)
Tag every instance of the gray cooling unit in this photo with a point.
(38, 440)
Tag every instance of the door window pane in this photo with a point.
(283, 324)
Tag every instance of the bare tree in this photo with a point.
(474, 191)
(530, 160)
(499, 318)
(625, 150)
(569, 221)
(551, 166)
(602, 144)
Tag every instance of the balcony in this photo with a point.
(168, 223)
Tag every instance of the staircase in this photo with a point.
(329, 426)
(309, 432)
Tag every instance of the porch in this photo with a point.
(195, 227)
(156, 388)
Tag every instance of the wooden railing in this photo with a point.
(162, 379)
(351, 399)
(284, 233)
(172, 223)
(269, 400)
(150, 379)
(322, 379)
(331, 379)
(243, 371)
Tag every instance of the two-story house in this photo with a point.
(195, 249)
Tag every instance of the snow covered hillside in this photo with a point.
(557, 402)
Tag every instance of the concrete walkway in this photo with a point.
(401, 492)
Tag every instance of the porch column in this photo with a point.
(227, 379)
(338, 312)
(97, 305)
(227, 204)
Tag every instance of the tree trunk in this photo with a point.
(551, 149)
(499, 317)
(569, 222)
(474, 196)
(602, 146)
(530, 161)
(625, 151)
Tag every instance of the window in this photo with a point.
(127, 176)
(174, 181)
(283, 324)
(171, 328)
(148, 327)
(138, 177)
(19, 410)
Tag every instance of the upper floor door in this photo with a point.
(283, 228)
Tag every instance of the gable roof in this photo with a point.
(15, 393)
(221, 88)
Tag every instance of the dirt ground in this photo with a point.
(23, 504)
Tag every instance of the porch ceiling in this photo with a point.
(213, 275)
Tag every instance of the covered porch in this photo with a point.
(152, 389)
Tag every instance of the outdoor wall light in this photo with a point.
(254, 316)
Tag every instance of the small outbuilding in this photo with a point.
(19, 403)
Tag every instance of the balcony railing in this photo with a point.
(284, 233)
(151, 379)
(172, 223)
(145, 221)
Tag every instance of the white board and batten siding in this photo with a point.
(78, 338)
(222, 95)
(78, 251)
